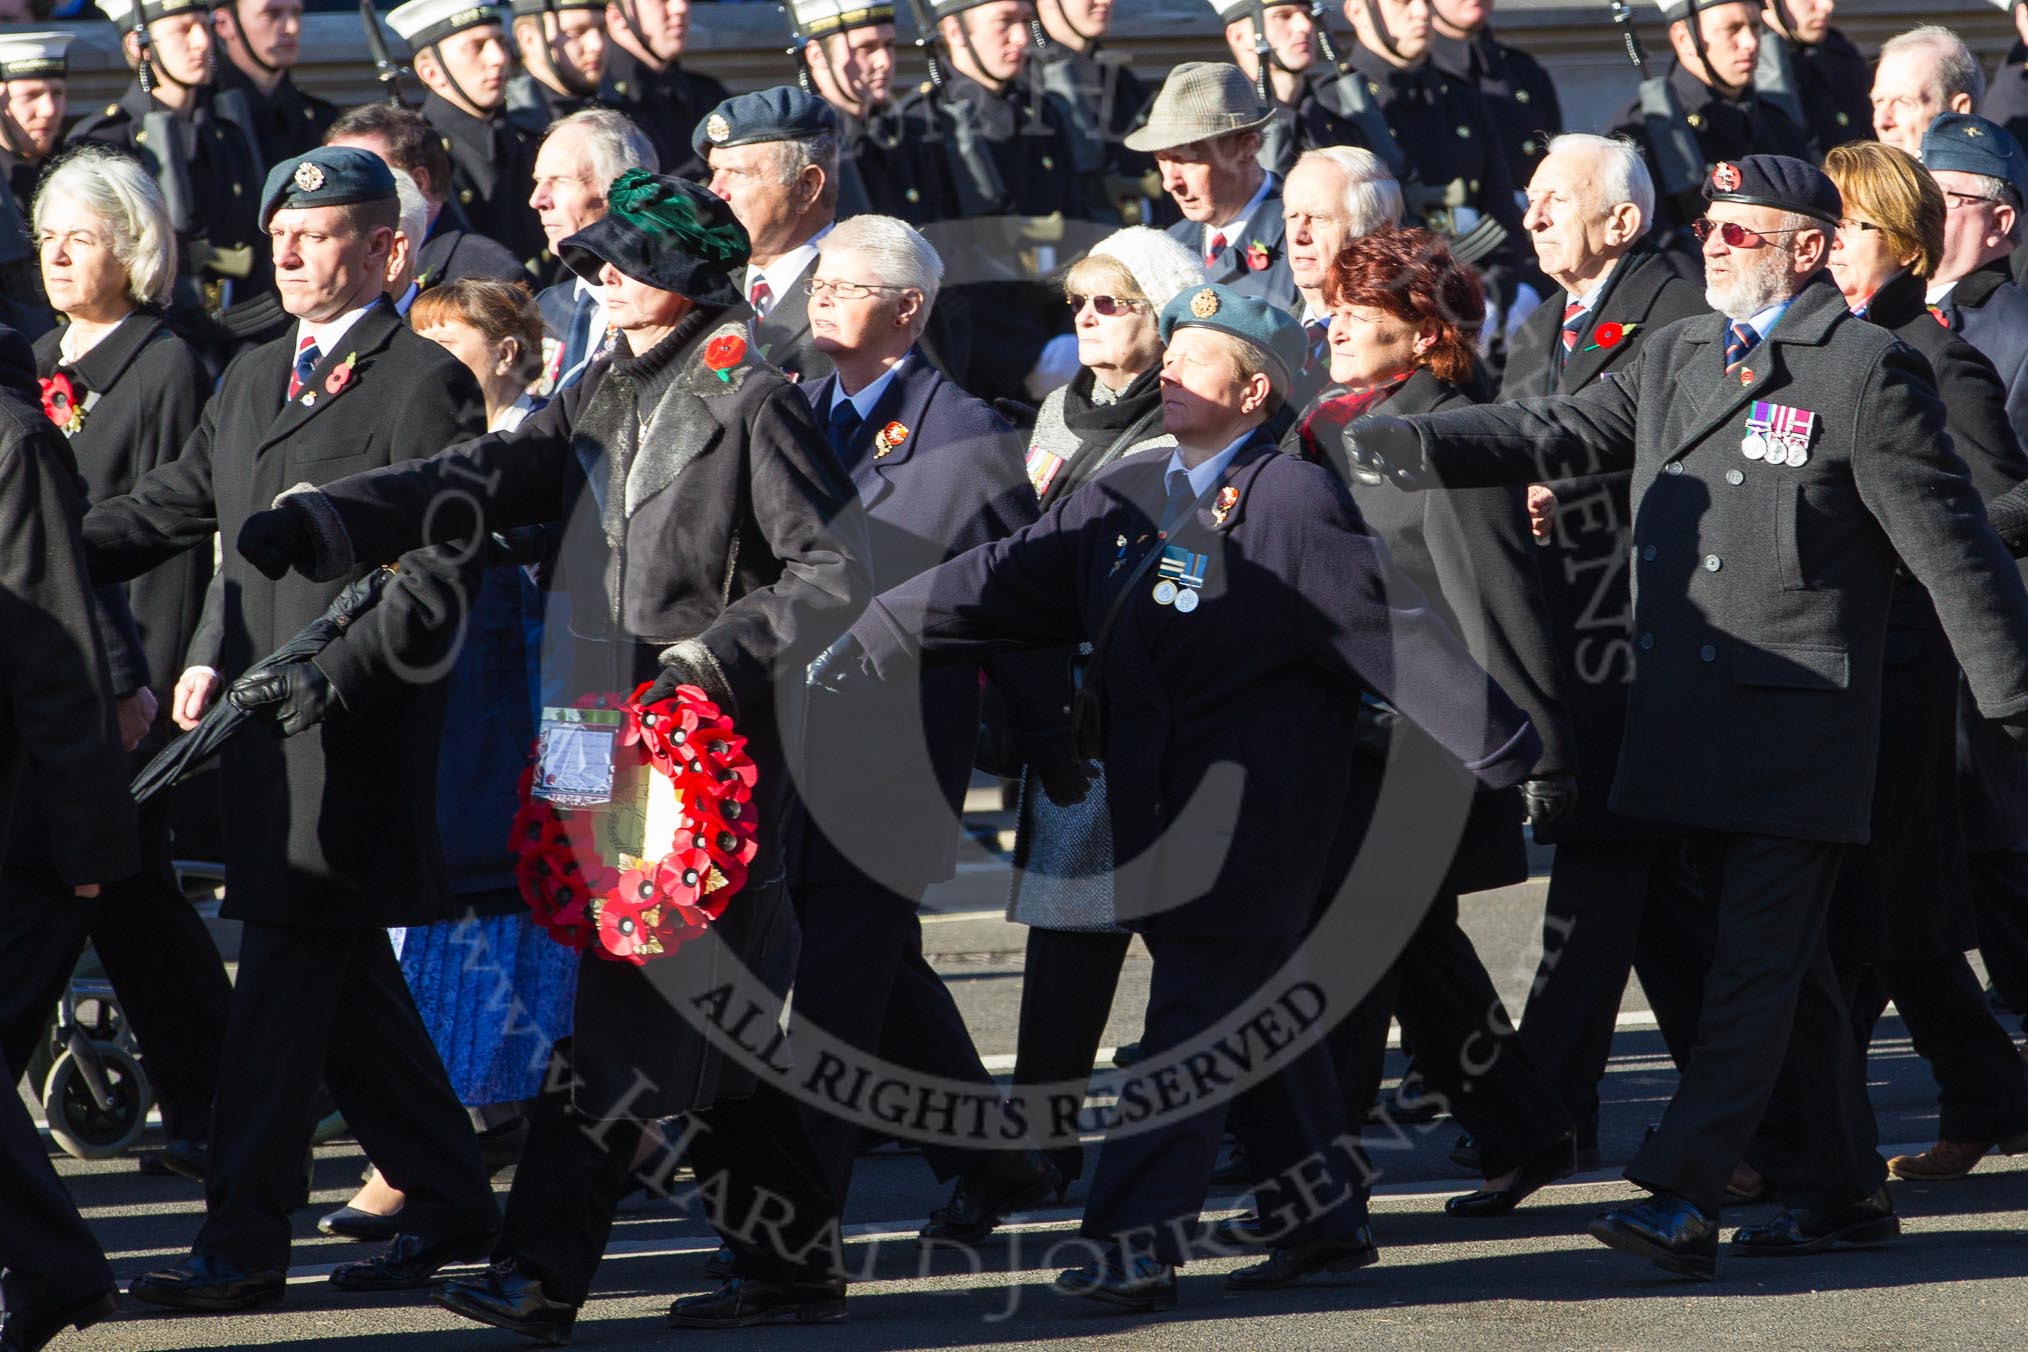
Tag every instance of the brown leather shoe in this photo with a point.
(1746, 1185)
(1948, 1159)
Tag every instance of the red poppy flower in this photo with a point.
(1257, 256)
(59, 401)
(1608, 335)
(624, 930)
(681, 875)
(724, 352)
(340, 377)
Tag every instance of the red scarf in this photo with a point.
(1334, 415)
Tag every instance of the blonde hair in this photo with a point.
(1892, 190)
(1102, 274)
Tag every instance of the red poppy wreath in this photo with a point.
(630, 909)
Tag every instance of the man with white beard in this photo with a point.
(1783, 456)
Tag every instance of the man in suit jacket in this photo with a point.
(578, 162)
(1797, 413)
(1984, 176)
(1204, 132)
(773, 156)
(1616, 897)
(331, 832)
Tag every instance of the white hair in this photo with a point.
(415, 210)
(1372, 197)
(1954, 70)
(898, 252)
(1622, 174)
(613, 144)
(121, 193)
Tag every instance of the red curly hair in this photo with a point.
(1410, 274)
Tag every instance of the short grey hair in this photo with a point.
(1372, 197)
(613, 144)
(1954, 69)
(415, 210)
(899, 253)
(792, 157)
(121, 193)
(1622, 172)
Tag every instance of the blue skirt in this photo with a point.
(495, 993)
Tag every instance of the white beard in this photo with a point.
(1752, 289)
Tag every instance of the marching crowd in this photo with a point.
(599, 525)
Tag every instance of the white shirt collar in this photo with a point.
(1938, 292)
(870, 395)
(1763, 323)
(328, 334)
(1234, 228)
(516, 413)
(787, 270)
(1207, 473)
(1589, 300)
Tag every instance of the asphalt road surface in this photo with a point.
(1957, 1278)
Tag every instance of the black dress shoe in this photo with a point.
(509, 1298)
(1127, 1055)
(1535, 1173)
(721, 1263)
(203, 1284)
(410, 1261)
(28, 1326)
(1142, 1285)
(1292, 1264)
(1671, 1232)
(1800, 1230)
(177, 1159)
(743, 1302)
(352, 1223)
(1241, 1232)
(1010, 1181)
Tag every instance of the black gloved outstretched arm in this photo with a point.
(1548, 799)
(294, 697)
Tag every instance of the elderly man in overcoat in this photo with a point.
(1783, 460)
(707, 536)
(330, 831)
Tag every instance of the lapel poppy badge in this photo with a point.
(1609, 335)
(60, 404)
(340, 377)
(1221, 507)
(890, 437)
(723, 353)
(1257, 256)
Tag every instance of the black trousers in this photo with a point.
(1614, 906)
(863, 979)
(1067, 987)
(1773, 1037)
(46, 1249)
(1982, 1083)
(330, 1005)
(1465, 1047)
(2000, 903)
(157, 954)
(1151, 1182)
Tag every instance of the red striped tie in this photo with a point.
(1573, 324)
(1217, 248)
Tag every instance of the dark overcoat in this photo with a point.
(1318, 117)
(665, 104)
(1468, 552)
(1517, 90)
(150, 388)
(1229, 726)
(884, 771)
(1726, 128)
(492, 175)
(287, 120)
(1761, 592)
(1835, 84)
(1273, 283)
(452, 250)
(702, 524)
(1583, 565)
(337, 825)
(1989, 308)
(2006, 100)
(785, 338)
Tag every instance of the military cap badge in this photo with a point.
(309, 177)
(1725, 176)
(1204, 304)
(717, 128)
(890, 437)
(1972, 129)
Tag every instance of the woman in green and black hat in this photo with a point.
(705, 535)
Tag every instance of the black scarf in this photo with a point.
(1096, 423)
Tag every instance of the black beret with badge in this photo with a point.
(1966, 143)
(329, 176)
(1779, 181)
(784, 113)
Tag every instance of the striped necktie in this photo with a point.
(307, 357)
(1739, 340)
(761, 298)
(1217, 248)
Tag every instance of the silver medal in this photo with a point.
(1798, 453)
(1754, 446)
(1165, 592)
(1186, 600)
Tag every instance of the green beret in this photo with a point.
(329, 176)
(1277, 335)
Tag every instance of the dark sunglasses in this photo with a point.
(1107, 306)
(1737, 236)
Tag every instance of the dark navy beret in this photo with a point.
(329, 176)
(1778, 181)
(1969, 144)
(784, 113)
(1248, 318)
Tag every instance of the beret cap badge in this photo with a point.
(309, 177)
(717, 128)
(1725, 176)
(1204, 304)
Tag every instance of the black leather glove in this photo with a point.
(1066, 779)
(1384, 445)
(292, 697)
(1549, 799)
(843, 667)
(277, 540)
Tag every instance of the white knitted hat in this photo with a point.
(1160, 266)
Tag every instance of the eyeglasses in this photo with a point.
(1954, 201)
(817, 286)
(1854, 223)
(1737, 236)
(1107, 306)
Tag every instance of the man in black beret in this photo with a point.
(1784, 457)
(773, 156)
(332, 833)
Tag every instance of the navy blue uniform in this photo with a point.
(1232, 266)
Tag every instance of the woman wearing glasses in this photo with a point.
(1063, 856)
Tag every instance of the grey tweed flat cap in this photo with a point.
(1200, 100)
